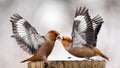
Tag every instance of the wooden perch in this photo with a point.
(67, 64)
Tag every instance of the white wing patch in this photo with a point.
(85, 30)
(78, 40)
(22, 32)
(36, 40)
(82, 28)
(26, 35)
(79, 17)
(82, 25)
(94, 25)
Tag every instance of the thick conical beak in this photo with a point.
(58, 37)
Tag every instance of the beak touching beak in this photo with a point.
(58, 37)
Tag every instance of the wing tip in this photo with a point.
(15, 17)
(98, 19)
(81, 11)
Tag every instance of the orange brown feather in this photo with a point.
(45, 49)
(81, 51)
(97, 51)
(53, 34)
(66, 41)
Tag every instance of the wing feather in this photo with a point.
(97, 23)
(25, 34)
(83, 28)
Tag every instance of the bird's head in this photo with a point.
(66, 41)
(53, 35)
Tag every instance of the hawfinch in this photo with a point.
(31, 41)
(84, 35)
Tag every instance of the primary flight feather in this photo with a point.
(31, 41)
(84, 35)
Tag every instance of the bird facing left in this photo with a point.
(31, 41)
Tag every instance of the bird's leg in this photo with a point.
(45, 64)
(89, 59)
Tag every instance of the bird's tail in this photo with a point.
(97, 51)
(29, 59)
(24, 61)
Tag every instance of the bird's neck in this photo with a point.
(66, 44)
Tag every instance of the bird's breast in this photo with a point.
(45, 49)
(81, 52)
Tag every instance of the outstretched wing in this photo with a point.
(83, 32)
(97, 23)
(26, 35)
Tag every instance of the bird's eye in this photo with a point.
(56, 35)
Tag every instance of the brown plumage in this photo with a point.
(84, 35)
(81, 52)
(31, 41)
(44, 51)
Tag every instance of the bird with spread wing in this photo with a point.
(31, 41)
(84, 35)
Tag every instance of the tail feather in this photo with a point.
(97, 51)
(24, 61)
(29, 59)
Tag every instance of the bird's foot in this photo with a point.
(88, 59)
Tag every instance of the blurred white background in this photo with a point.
(45, 15)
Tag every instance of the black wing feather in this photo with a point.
(90, 34)
(97, 23)
(25, 35)
(83, 32)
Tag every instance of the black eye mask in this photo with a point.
(56, 35)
